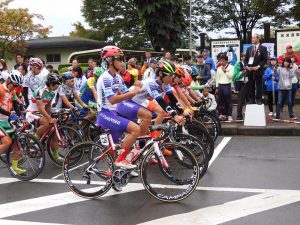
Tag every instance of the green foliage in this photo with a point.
(244, 16)
(62, 68)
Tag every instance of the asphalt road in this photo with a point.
(254, 180)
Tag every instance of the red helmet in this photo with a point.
(111, 51)
(186, 79)
(179, 71)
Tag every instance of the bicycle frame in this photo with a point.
(48, 131)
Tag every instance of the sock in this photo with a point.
(37, 136)
(14, 164)
(123, 155)
(55, 153)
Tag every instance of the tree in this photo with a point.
(164, 22)
(16, 25)
(113, 21)
(242, 15)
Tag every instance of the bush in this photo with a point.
(62, 68)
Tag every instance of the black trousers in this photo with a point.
(242, 97)
(255, 86)
(270, 100)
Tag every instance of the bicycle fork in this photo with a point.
(160, 155)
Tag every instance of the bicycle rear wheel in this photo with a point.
(89, 178)
(31, 157)
(69, 138)
(175, 182)
(211, 122)
(197, 148)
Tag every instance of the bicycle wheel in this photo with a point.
(31, 157)
(197, 148)
(197, 129)
(175, 182)
(89, 179)
(77, 127)
(3, 158)
(91, 130)
(211, 123)
(69, 137)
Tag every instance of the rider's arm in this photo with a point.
(66, 101)
(193, 94)
(182, 97)
(77, 97)
(44, 109)
(4, 112)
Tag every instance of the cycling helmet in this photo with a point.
(111, 52)
(98, 71)
(36, 62)
(53, 78)
(187, 68)
(167, 67)
(186, 79)
(195, 71)
(15, 77)
(68, 76)
(179, 71)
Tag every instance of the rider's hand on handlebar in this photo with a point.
(179, 119)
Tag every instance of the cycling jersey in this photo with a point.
(107, 87)
(79, 82)
(6, 103)
(63, 90)
(34, 81)
(41, 93)
(86, 93)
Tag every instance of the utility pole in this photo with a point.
(190, 28)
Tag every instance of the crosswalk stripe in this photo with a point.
(16, 222)
(7, 180)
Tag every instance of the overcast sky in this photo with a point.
(61, 14)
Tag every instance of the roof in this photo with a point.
(64, 42)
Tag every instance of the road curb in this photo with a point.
(232, 130)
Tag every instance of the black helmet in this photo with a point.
(53, 78)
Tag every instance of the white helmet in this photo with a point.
(16, 77)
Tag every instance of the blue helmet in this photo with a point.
(195, 71)
(68, 76)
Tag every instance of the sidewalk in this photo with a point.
(273, 128)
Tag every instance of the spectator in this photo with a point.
(175, 59)
(91, 66)
(256, 58)
(168, 55)
(223, 84)
(187, 60)
(241, 85)
(3, 69)
(204, 70)
(22, 69)
(207, 58)
(295, 82)
(289, 54)
(146, 64)
(49, 68)
(286, 75)
(271, 80)
(128, 79)
(20, 60)
(79, 78)
(211, 104)
(75, 63)
(132, 69)
(150, 72)
(211, 83)
(195, 85)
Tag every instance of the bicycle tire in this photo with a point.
(155, 171)
(197, 148)
(3, 158)
(32, 157)
(77, 127)
(199, 130)
(69, 172)
(91, 130)
(210, 122)
(71, 141)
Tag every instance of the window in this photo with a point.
(54, 58)
(298, 34)
(292, 35)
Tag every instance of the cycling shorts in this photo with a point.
(129, 109)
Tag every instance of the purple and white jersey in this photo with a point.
(107, 87)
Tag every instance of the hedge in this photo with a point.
(62, 68)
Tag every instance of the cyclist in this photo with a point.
(110, 91)
(34, 79)
(67, 94)
(41, 102)
(8, 100)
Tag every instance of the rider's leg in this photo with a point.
(145, 116)
(43, 126)
(15, 159)
(6, 143)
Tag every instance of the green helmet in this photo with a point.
(98, 71)
(167, 67)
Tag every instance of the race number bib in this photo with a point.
(104, 140)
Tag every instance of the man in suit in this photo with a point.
(256, 58)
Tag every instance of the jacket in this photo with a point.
(270, 71)
(285, 78)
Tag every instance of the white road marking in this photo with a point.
(74, 168)
(7, 180)
(232, 210)
(16, 222)
(218, 149)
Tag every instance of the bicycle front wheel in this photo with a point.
(69, 137)
(174, 182)
(89, 178)
(30, 155)
(3, 158)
